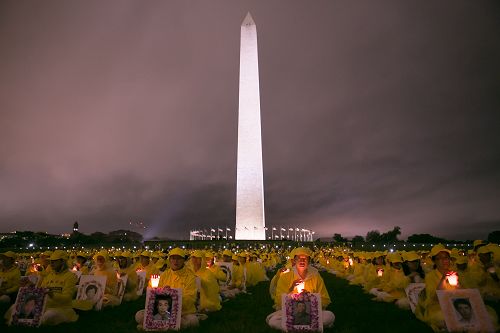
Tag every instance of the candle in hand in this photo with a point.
(452, 279)
(155, 280)
(300, 287)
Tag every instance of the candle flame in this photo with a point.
(300, 287)
(453, 279)
(155, 280)
(350, 262)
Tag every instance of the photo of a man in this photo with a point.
(162, 307)
(300, 314)
(464, 310)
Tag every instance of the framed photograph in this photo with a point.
(302, 312)
(120, 287)
(412, 292)
(29, 280)
(141, 281)
(29, 307)
(163, 309)
(226, 267)
(91, 289)
(464, 311)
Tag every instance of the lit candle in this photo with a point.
(300, 287)
(350, 262)
(328, 262)
(74, 269)
(155, 280)
(453, 279)
(380, 272)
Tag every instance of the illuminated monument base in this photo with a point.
(250, 221)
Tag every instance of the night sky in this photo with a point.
(374, 114)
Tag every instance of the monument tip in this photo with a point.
(248, 20)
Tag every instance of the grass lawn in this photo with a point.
(354, 311)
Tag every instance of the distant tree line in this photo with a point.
(391, 237)
(35, 240)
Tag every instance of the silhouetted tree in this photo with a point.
(373, 236)
(356, 240)
(494, 237)
(425, 238)
(391, 236)
(337, 238)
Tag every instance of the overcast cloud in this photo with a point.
(374, 114)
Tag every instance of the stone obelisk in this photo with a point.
(250, 221)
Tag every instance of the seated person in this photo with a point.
(209, 289)
(10, 276)
(61, 287)
(103, 267)
(125, 268)
(178, 276)
(289, 282)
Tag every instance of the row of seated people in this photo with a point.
(176, 271)
(386, 276)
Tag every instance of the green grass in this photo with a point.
(354, 312)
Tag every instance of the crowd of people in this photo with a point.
(206, 283)
(386, 276)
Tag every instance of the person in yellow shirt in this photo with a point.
(394, 286)
(209, 288)
(178, 276)
(10, 276)
(103, 267)
(145, 264)
(219, 274)
(436, 279)
(60, 284)
(312, 281)
(484, 274)
(256, 269)
(274, 281)
(81, 263)
(125, 268)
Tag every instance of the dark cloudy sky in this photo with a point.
(374, 114)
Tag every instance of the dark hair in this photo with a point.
(419, 270)
(459, 301)
(91, 286)
(159, 298)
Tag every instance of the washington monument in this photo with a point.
(250, 220)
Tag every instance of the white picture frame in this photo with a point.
(121, 286)
(157, 318)
(302, 312)
(226, 267)
(412, 292)
(141, 282)
(464, 311)
(91, 288)
(29, 307)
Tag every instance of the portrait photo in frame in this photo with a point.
(91, 288)
(301, 312)
(464, 311)
(29, 307)
(141, 281)
(163, 309)
(226, 267)
(412, 292)
(120, 287)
